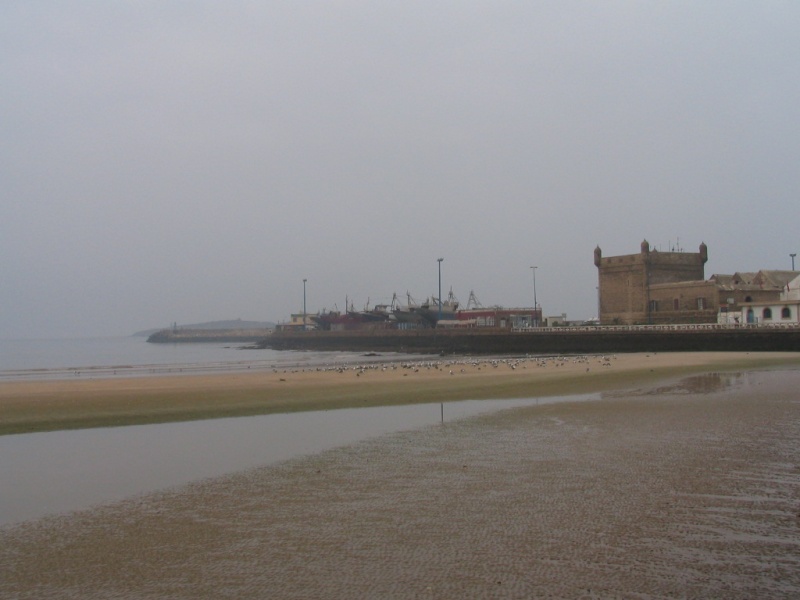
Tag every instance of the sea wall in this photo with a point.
(497, 341)
(177, 336)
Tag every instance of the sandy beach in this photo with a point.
(670, 487)
(81, 402)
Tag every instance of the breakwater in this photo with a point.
(177, 336)
(545, 341)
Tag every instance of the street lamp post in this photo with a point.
(304, 304)
(439, 260)
(535, 303)
(793, 254)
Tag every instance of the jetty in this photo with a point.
(196, 336)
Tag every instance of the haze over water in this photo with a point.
(124, 356)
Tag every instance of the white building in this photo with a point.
(784, 311)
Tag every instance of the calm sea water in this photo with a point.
(126, 356)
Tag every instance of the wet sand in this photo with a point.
(687, 489)
(82, 402)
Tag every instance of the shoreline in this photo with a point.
(685, 490)
(35, 406)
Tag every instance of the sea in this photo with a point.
(127, 356)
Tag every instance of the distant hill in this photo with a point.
(230, 324)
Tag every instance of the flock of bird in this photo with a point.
(464, 365)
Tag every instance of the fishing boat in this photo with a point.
(432, 311)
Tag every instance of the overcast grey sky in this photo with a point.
(193, 161)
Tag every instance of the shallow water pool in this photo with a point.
(60, 471)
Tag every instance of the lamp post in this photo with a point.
(793, 254)
(439, 260)
(535, 303)
(304, 304)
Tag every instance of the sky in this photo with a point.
(185, 161)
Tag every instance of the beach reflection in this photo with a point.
(705, 383)
(60, 471)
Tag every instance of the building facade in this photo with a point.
(783, 311)
(499, 317)
(298, 322)
(654, 287)
(633, 289)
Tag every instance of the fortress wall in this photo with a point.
(672, 267)
(567, 342)
(623, 288)
(626, 282)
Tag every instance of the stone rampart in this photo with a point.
(584, 341)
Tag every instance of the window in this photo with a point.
(786, 313)
(701, 303)
(767, 314)
(653, 305)
(676, 304)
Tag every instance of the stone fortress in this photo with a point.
(654, 287)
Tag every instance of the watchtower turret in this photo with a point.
(704, 252)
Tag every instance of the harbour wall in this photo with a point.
(195, 336)
(563, 341)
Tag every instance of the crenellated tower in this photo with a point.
(625, 282)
